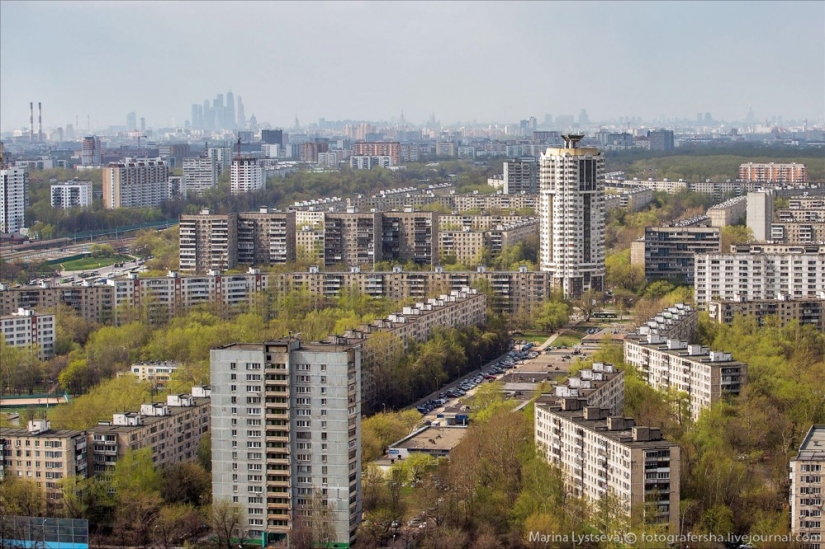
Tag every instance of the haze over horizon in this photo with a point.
(462, 61)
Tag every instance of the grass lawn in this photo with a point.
(533, 337)
(86, 263)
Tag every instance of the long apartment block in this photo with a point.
(602, 455)
(807, 486)
(783, 309)
(601, 385)
(172, 429)
(164, 297)
(667, 253)
(677, 322)
(759, 272)
(286, 436)
(706, 376)
(458, 309)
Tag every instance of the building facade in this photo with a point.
(760, 272)
(208, 242)
(72, 194)
(669, 250)
(730, 212)
(199, 175)
(14, 198)
(44, 456)
(706, 376)
(760, 214)
(572, 217)
(784, 310)
(247, 175)
(391, 149)
(266, 237)
(286, 437)
(29, 329)
(807, 486)
(135, 183)
(773, 173)
(521, 175)
(603, 456)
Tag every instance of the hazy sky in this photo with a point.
(463, 61)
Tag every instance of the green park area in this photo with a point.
(91, 262)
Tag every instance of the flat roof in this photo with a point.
(622, 436)
(51, 433)
(813, 446)
(148, 420)
(433, 438)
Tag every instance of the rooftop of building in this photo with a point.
(813, 446)
(294, 344)
(147, 420)
(39, 428)
(432, 438)
(682, 349)
(620, 429)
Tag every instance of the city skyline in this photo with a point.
(333, 61)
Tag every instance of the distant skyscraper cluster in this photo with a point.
(219, 114)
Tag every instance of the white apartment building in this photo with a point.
(72, 194)
(603, 455)
(159, 373)
(135, 183)
(572, 217)
(601, 385)
(369, 162)
(807, 486)
(798, 271)
(677, 322)
(14, 194)
(247, 175)
(706, 376)
(26, 328)
(199, 174)
(286, 436)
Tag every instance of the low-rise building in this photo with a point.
(706, 376)
(157, 372)
(807, 487)
(29, 329)
(605, 456)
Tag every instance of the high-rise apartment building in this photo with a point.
(521, 175)
(72, 194)
(667, 253)
(661, 140)
(286, 437)
(247, 175)
(773, 173)
(572, 216)
(273, 137)
(266, 238)
(208, 242)
(14, 197)
(807, 486)
(409, 236)
(760, 214)
(91, 153)
(760, 272)
(199, 174)
(135, 183)
(603, 456)
(352, 239)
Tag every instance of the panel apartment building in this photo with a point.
(199, 175)
(219, 242)
(521, 175)
(14, 198)
(783, 309)
(706, 376)
(667, 253)
(392, 149)
(760, 271)
(458, 309)
(677, 322)
(71, 194)
(603, 455)
(172, 429)
(601, 385)
(28, 329)
(807, 487)
(44, 456)
(135, 183)
(792, 173)
(93, 303)
(286, 436)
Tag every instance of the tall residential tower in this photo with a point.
(572, 216)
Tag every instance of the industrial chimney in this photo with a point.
(31, 121)
(39, 122)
